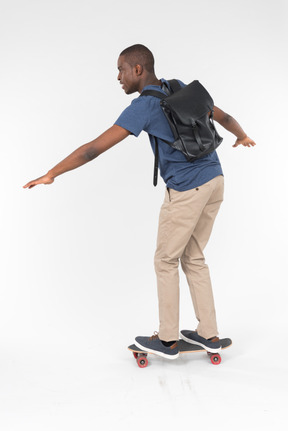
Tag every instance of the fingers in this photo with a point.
(249, 143)
(42, 180)
(30, 185)
(246, 142)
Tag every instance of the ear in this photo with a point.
(139, 69)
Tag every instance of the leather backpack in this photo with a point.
(189, 111)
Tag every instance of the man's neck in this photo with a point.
(149, 80)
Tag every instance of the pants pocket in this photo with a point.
(168, 194)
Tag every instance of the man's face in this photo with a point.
(127, 76)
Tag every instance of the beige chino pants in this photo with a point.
(185, 224)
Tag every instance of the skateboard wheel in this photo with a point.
(135, 355)
(142, 361)
(215, 359)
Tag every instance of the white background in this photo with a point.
(77, 276)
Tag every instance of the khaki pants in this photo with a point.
(185, 224)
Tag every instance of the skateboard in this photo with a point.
(184, 347)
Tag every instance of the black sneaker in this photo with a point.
(154, 345)
(212, 345)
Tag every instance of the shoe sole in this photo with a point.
(197, 343)
(156, 352)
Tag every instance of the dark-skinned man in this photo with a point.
(193, 195)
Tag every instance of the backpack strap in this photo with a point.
(174, 86)
(156, 159)
(154, 93)
(161, 96)
(197, 136)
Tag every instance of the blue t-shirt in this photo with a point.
(145, 113)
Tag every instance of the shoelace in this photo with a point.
(153, 337)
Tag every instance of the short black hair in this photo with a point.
(139, 54)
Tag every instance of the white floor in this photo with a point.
(70, 387)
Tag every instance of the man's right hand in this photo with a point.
(45, 179)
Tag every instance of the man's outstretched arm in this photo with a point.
(83, 154)
(230, 124)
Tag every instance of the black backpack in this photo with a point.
(189, 111)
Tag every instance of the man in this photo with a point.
(194, 192)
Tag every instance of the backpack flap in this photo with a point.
(193, 98)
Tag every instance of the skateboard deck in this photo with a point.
(184, 347)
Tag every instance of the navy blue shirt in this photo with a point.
(145, 113)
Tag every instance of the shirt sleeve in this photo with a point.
(135, 117)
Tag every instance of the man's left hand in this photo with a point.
(247, 142)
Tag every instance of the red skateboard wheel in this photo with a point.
(142, 361)
(215, 359)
